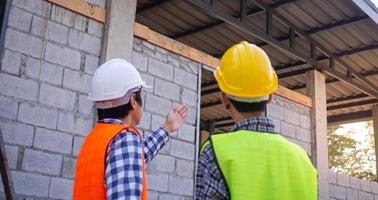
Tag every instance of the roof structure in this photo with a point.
(335, 37)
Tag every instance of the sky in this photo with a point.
(357, 130)
(375, 2)
(360, 133)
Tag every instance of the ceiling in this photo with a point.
(321, 29)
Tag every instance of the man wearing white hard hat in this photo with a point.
(111, 162)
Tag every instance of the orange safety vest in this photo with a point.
(90, 168)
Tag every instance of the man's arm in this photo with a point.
(153, 143)
(123, 172)
(209, 184)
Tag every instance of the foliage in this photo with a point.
(350, 156)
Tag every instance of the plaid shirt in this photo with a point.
(123, 170)
(210, 183)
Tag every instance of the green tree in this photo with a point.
(351, 157)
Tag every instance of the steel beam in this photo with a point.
(367, 86)
(352, 104)
(295, 73)
(337, 119)
(347, 98)
(373, 88)
(254, 12)
(250, 13)
(334, 80)
(251, 30)
(243, 10)
(325, 58)
(320, 28)
(155, 3)
(291, 37)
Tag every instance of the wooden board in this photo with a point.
(294, 96)
(82, 7)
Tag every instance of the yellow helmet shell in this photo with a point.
(245, 71)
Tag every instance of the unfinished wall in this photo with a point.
(174, 79)
(343, 187)
(50, 55)
(292, 120)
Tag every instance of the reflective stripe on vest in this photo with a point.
(264, 166)
(90, 168)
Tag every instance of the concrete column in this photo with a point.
(119, 29)
(375, 124)
(316, 89)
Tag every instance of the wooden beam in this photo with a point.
(83, 8)
(294, 96)
(316, 88)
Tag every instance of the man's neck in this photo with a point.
(243, 116)
(127, 120)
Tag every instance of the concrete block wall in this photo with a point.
(49, 57)
(174, 79)
(343, 187)
(292, 120)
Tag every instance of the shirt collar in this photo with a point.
(258, 124)
(112, 121)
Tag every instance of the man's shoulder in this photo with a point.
(125, 136)
(207, 151)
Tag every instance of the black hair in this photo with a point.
(120, 111)
(249, 107)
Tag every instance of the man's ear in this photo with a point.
(225, 100)
(270, 98)
(132, 101)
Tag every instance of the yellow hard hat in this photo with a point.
(245, 71)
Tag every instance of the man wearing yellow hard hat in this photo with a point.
(252, 162)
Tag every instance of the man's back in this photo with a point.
(259, 165)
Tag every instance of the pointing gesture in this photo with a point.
(176, 118)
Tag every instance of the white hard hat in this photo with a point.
(114, 82)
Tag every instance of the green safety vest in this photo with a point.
(264, 166)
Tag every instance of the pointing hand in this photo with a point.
(176, 118)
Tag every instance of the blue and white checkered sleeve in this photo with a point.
(153, 143)
(210, 184)
(123, 173)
